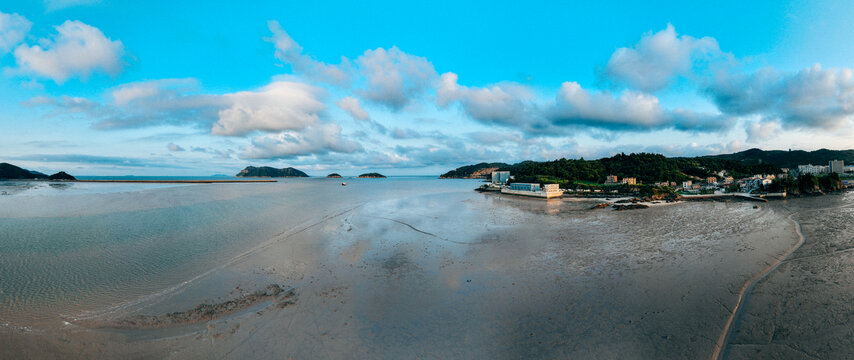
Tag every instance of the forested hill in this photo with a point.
(789, 159)
(477, 171)
(647, 168)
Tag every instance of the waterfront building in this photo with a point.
(525, 187)
(500, 177)
(532, 189)
(687, 185)
(630, 181)
(711, 180)
(612, 180)
(728, 180)
(837, 166)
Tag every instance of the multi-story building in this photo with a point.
(630, 181)
(711, 180)
(500, 177)
(813, 169)
(687, 185)
(728, 180)
(837, 166)
(611, 180)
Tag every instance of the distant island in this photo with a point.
(12, 172)
(266, 171)
(334, 175)
(62, 175)
(372, 176)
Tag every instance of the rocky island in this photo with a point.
(12, 172)
(372, 176)
(334, 175)
(266, 171)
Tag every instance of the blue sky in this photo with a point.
(180, 88)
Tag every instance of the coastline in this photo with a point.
(666, 289)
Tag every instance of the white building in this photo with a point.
(813, 169)
(500, 177)
(687, 185)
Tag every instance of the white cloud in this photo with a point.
(139, 91)
(290, 52)
(508, 104)
(390, 77)
(77, 50)
(282, 105)
(352, 107)
(174, 147)
(658, 58)
(13, 29)
(758, 131)
(313, 140)
(810, 98)
(631, 110)
(393, 77)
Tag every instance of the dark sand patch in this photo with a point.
(282, 297)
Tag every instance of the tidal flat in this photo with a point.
(416, 268)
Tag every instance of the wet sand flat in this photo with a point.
(452, 273)
(805, 309)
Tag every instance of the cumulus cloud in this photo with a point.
(290, 52)
(631, 110)
(809, 98)
(157, 102)
(174, 147)
(508, 104)
(394, 77)
(654, 61)
(314, 140)
(351, 106)
(293, 112)
(388, 77)
(77, 50)
(13, 29)
(282, 105)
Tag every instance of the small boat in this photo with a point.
(343, 184)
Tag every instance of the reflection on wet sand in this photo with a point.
(458, 274)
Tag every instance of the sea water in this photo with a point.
(69, 247)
